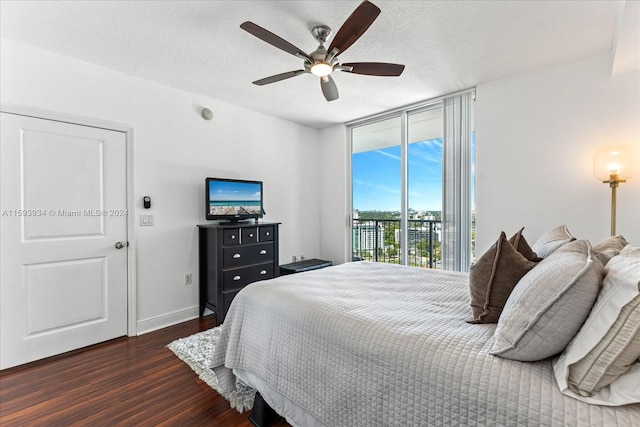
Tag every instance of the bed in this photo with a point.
(369, 344)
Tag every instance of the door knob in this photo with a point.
(119, 245)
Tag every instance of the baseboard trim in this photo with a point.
(158, 322)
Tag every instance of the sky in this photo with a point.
(376, 177)
(232, 190)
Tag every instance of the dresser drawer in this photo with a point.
(249, 235)
(266, 233)
(231, 236)
(237, 278)
(237, 256)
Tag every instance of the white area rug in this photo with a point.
(196, 351)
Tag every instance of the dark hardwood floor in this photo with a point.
(133, 381)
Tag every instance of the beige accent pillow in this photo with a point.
(493, 277)
(609, 247)
(552, 240)
(609, 342)
(518, 241)
(549, 304)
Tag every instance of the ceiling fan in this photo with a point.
(322, 61)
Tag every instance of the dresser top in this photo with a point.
(239, 224)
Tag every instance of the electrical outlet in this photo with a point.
(188, 279)
(301, 258)
(294, 259)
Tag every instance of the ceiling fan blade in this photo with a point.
(278, 77)
(329, 88)
(273, 39)
(375, 68)
(355, 25)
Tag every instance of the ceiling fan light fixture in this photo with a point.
(323, 61)
(321, 69)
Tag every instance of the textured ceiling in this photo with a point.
(198, 46)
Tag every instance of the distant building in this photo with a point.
(366, 235)
(416, 234)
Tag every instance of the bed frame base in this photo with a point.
(262, 415)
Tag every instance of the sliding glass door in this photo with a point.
(411, 187)
(376, 183)
(424, 187)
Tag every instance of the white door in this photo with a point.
(63, 274)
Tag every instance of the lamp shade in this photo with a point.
(615, 159)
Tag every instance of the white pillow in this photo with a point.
(549, 304)
(609, 247)
(552, 240)
(600, 365)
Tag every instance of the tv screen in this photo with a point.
(232, 199)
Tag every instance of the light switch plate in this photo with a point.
(146, 220)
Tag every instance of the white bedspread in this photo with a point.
(367, 344)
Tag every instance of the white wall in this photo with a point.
(175, 149)
(334, 194)
(536, 137)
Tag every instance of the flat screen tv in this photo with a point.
(233, 199)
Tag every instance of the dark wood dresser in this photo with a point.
(231, 257)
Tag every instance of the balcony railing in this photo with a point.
(379, 240)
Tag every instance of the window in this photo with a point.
(412, 185)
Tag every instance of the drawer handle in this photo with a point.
(236, 278)
(233, 237)
(268, 233)
(263, 252)
(263, 272)
(250, 234)
(236, 256)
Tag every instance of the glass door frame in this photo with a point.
(403, 113)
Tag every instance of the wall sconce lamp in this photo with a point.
(614, 165)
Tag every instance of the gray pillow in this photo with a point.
(549, 304)
(552, 240)
(609, 247)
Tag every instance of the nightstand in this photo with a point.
(306, 265)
